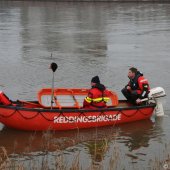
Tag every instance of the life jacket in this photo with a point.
(140, 84)
(4, 99)
(97, 97)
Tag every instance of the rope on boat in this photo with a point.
(131, 114)
(7, 116)
(26, 116)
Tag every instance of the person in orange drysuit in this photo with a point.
(97, 96)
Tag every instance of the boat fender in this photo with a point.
(4, 99)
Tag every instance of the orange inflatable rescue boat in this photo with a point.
(61, 109)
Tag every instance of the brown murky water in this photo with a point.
(85, 39)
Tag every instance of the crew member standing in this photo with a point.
(137, 88)
(97, 96)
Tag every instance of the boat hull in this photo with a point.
(35, 119)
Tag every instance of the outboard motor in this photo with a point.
(155, 96)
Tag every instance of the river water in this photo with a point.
(85, 39)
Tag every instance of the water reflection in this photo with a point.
(138, 135)
(134, 136)
(81, 30)
(93, 144)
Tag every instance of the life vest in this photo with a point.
(96, 98)
(4, 99)
(140, 84)
(143, 84)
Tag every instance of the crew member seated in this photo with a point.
(97, 96)
(137, 88)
